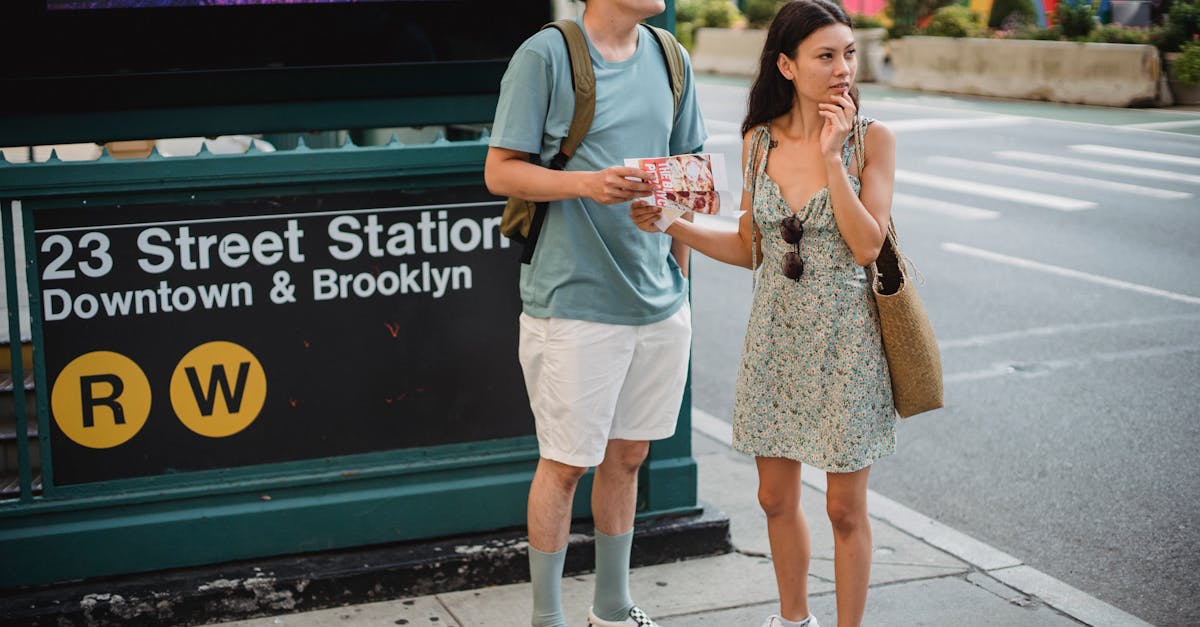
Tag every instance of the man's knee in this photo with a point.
(561, 476)
(625, 455)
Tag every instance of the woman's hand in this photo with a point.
(644, 215)
(839, 121)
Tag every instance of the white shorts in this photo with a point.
(590, 382)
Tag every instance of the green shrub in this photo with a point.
(906, 14)
(1012, 14)
(1076, 18)
(861, 20)
(1181, 26)
(953, 21)
(687, 10)
(1117, 34)
(1034, 32)
(719, 14)
(759, 13)
(1186, 69)
(685, 32)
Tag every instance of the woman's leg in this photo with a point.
(846, 503)
(779, 496)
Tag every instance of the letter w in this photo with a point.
(206, 401)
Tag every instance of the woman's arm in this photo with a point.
(863, 218)
(726, 246)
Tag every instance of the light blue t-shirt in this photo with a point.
(591, 262)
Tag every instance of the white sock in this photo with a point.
(787, 623)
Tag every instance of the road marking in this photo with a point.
(1154, 126)
(1049, 201)
(1067, 272)
(1100, 166)
(1041, 368)
(977, 341)
(1057, 177)
(941, 207)
(996, 563)
(1143, 155)
(938, 124)
(723, 126)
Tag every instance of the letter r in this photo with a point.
(89, 402)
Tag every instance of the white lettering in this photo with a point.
(352, 241)
(164, 253)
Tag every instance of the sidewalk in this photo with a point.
(923, 573)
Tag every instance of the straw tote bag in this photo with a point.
(913, 357)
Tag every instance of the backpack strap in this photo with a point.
(673, 55)
(584, 82)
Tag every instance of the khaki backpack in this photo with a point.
(522, 219)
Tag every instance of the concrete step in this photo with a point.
(10, 486)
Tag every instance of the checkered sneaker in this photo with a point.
(637, 618)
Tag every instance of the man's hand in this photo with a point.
(613, 185)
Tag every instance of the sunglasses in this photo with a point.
(792, 230)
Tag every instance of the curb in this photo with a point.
(300, 583)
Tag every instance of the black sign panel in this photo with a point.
(213, 335)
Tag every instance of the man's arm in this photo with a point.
(510, 173)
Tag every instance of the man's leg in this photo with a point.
(614, 499)
(549, 515)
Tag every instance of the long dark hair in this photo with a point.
(771, 95)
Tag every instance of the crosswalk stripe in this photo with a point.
(1165, 125)
(1099, 166)
(937, 124)
(932, 205)
(1050, 201)
(1127, 153)
(1058, 177)
(1067, 272)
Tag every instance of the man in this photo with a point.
(605, 328)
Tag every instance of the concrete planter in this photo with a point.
(735, 51)
(1183, 94)
(1114, 75)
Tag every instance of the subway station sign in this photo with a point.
(182, 337)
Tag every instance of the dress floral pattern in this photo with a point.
(813, 385)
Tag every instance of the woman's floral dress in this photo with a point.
(813, 384)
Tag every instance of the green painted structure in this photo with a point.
(53, 533)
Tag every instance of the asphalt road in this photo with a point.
(1061, 277)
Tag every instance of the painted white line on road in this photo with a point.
(722, 139)
(1049, 201)
(712, 426)
(1157, 126)
(1099, 166)
(723, 126)
(977, 341)
(1062, 596)
(1040, 368)
(1057, 177)
(941, 207)
(939, 124)
(1142, 155)
(993, 561)
(1067, 272)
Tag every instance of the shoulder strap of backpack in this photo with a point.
(674, 58)
(584, 82)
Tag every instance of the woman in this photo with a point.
(813, 385)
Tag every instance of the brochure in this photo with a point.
(695, 182)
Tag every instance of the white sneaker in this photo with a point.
(637, 618)
(775, 621)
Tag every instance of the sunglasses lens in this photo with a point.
(791, 229)
(793, 266)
